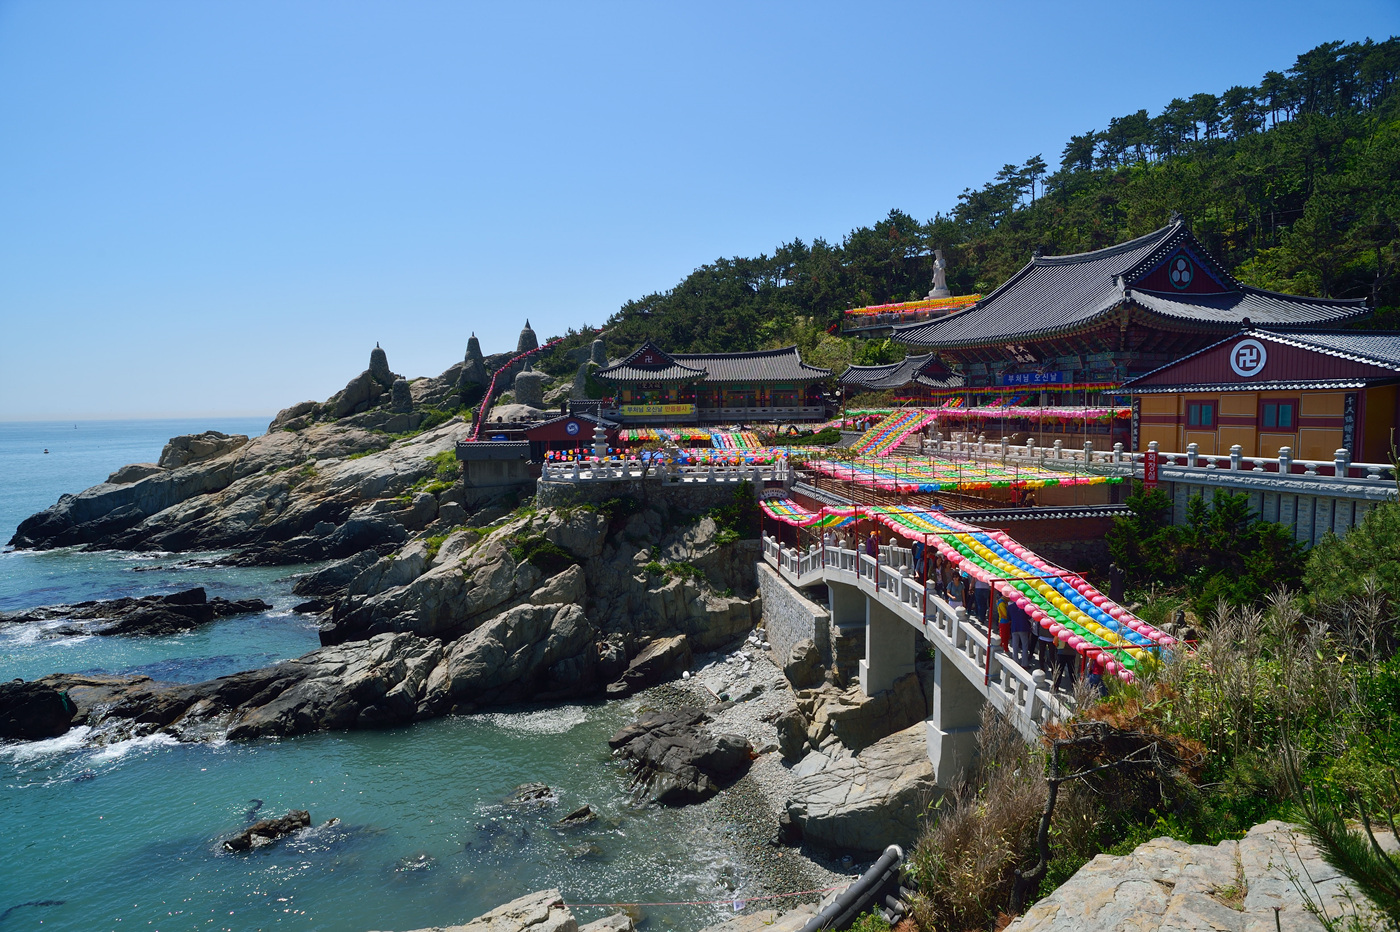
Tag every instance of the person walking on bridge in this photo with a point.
(1020, 635)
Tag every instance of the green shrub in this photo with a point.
(679, 570)
(432, 417)
(1339, 566)
(543, 553)
(740, 519)
(618, 510)
(1221, 552)
(434, 544)
(870, 922)
(448, 467)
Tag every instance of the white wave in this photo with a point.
(66, 743)
(542, 722)
(119, 749)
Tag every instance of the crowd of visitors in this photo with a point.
(1028, 644)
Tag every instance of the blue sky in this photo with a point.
(217, 208)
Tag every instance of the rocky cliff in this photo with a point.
(430, 605)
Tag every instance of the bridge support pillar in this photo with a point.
(957, 714)
(889, 648)
(847, 604)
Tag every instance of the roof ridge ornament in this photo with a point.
(1176, 217)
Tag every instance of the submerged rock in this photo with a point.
(532, 796)
(263, 833)
(149, 615)
(580, 816)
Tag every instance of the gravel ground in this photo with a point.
(747, 813)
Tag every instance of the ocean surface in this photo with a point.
(129, 835)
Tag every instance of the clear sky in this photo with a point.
(218, 207)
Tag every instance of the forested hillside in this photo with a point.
(1294, 183)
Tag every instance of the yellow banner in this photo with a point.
(651, 410)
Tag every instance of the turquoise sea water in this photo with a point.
(128, 835)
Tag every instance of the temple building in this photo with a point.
(1312, 391)
(1087, 322)
(653, 386)
(914, 379)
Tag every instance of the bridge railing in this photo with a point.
(1023, 695)
(1120, 462)
(614, 470)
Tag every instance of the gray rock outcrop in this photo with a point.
(270, 493)
(529, 387)
(401, 397)
(537, 912)
(864, 802)
(1166, 885)
(194, 448)
(134, 472)
(855, 721)
(676, 759)
(529, 651)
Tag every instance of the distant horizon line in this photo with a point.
(99, 419)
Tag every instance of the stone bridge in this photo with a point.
(970, 670)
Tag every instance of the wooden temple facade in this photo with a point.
(1086, 323)
(655, 387)
(1312, 391)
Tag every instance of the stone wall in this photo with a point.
(689, 497)
(788, 617)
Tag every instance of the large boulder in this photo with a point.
(864, 802)
(357, 395)
(30, 711)
(804, 664)
(1165, 885)
(134, 472)
(677, 759)
(295, 413)
(792, 735)
(538, 912)
(855, 720)
(194, 448)
(523, 653)
(529, 387)
(662, 659)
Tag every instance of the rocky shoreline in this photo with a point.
(437, 600)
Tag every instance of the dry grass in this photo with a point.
(965, 860)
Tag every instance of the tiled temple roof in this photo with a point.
(1053, 295)
(649, 363)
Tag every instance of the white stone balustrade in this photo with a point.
(962, 644)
